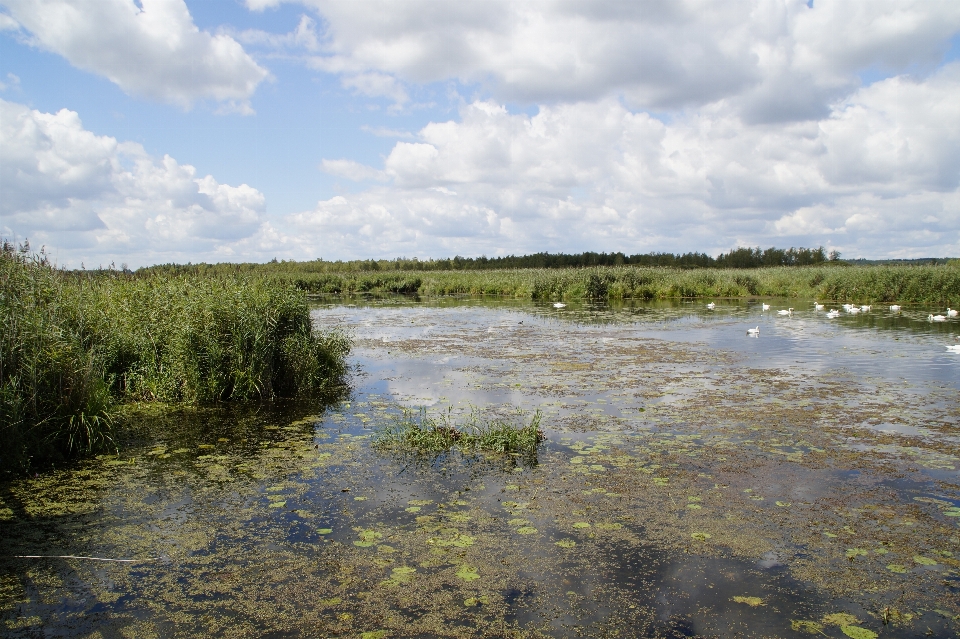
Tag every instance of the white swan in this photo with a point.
(895, 308)
(954, 349)
(854, 310)
(951, 312)
(866, 307)
(833, 313)
(756, 331)
(847, 307)
(818, 307)
(786, 312)
(559, 305)
(936, 318)
(764, 307)
(711, 306)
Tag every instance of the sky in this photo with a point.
(156, 131)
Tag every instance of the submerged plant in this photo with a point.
(421, 432)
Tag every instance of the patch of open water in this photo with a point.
(695, 481)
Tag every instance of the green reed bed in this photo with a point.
(926, 285)
(76, 347)
(423, 433)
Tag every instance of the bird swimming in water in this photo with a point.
(818, 307)
(711, 306)
(764, 307)
(753, 331)
(559, 305)
(951, 312)
(895, 308)
(936, 318)
(789, 311)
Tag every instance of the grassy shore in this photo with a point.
(922, 285)
(76, 347)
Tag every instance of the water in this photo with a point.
(695, 481)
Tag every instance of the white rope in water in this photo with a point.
(129, 561)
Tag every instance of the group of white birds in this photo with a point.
(853, 310)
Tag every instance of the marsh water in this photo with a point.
(695, 480)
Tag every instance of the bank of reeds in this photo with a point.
(75, 347)
(922, 285)
(426, 434)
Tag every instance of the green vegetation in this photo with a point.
(76, 346)
(806, 276)
(926, 285)
(433, 435)
(737, 258)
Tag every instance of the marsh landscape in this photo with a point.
(692, 480)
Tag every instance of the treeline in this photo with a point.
(737, 258)
(76, 346)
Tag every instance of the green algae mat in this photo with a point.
(693, 481)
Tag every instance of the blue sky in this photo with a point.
(166, 130)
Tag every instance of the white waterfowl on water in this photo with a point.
(833, 313)
(764, 307)
(711, 306)
(753, 331)
(559, 305)
(853, 309)
(936, 318)
(866, 308)
(789, 311)
(954, 349)
(951, 312)
(895, 308)
(818, 307)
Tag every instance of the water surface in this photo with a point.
(695, 481)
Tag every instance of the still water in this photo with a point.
(695, 481)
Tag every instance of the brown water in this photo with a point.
(695, 481)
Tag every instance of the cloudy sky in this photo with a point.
(240, 130)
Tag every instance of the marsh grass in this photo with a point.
(75, 347)
(426, 434)
(921, 285)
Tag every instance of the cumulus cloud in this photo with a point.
(92, 195)
(882, 168)
(777, 60)
(153, 50)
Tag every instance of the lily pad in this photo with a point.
(924, 561)
(840, 619)
(278, 504)
(526, 530)
(566, 543)
(897, 568)
(581, 524)
(784, 504)
(701, 536)
(413, 509)
(856, 632)
(476, 601)
(324, 531)
(753, 602)
(856, 552)
(467, 573)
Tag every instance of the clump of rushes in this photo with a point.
(74, 347)
(423, 433)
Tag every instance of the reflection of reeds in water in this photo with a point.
(75, 346)
(424, 433)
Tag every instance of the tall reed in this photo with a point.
(75, 346)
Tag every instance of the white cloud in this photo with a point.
(153, 50)
(879, 175)
(91, 195)
(776, 60)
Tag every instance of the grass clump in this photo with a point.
(426, 434)
(75, 347)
